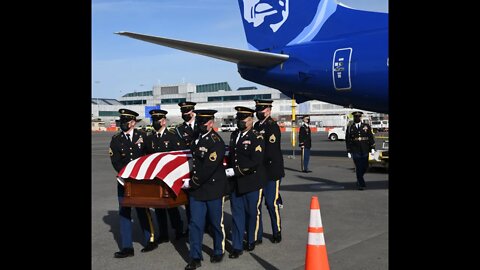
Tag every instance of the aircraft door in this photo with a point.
(341, 69)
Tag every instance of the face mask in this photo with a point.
(156, 125)
(186, 117)
(356, 119)
(124, 126)
(241, 125)
(260, 115)
(203, 129)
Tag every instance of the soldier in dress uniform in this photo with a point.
(246, 151)
(164, 140)
(126, 146)
(188, 130)
(360, 142)
(207, 189)
(305, 143)
(273, 162)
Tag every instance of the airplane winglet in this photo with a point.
(238, 56)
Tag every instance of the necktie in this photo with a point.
(128, 137)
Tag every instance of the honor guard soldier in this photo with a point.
(246, 151)
(360, 142)
(305, 143)
(126, 146)
(207, 189)
(188, 130)
(273, 162)
(164, 140)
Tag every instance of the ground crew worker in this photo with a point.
(273, 162)
(305, 143)
(207, 189)
(360, 141)
(246, 168)
(164, 140)
(126, 146)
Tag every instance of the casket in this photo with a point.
(153, 193)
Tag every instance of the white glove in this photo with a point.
(373, 151)
(229, 172)
(186, 183)
(349, 155)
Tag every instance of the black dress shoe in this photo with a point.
(216, 258)
(126, 252)
(308, 171)
(277, 238)
(258, 242)
(250, 247)
(149, 247)
(161, 240)
(235, 254)
(194, 264)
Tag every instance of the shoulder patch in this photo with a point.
(214, 137)
(171, 130)
(258, 148)
(110, 152)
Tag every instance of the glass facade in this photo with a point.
(213, 87)
(139, 94)
(240, 97)
(172, 100)
(108, 113)
(134, 102)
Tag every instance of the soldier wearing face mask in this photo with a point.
(188, 130)
(305, 143)
(207, 189)
(273, 162)
(126, 146)
(246, 151)
(164, 140)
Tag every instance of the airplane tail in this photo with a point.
(271, 25)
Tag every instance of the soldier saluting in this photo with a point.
(208, 187)
(126, 146)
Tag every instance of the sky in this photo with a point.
(122, 65)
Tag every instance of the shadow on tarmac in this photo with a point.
(321, 153)
(266, 265)
(329, 185)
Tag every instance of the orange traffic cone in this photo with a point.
(316, 250)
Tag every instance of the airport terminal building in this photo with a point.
(218, 96)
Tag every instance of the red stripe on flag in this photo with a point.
(170, 166)
(177, 185)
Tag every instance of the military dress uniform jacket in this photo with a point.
(305, 136)
(359, 140)
(209, 181)
(246, 159)
(186, 134)
(122, 150)
(273, 158)
(168, 141)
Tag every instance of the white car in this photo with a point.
(228, 127)
(337, 133)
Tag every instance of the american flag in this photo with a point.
(171, 167)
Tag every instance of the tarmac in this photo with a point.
(355, 222)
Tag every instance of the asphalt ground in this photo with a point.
(355, 222)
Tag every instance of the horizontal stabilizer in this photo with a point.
(238, 56)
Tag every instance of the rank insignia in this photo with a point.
(258, 148)
(213, 156)
(110, 151)
(272, 138)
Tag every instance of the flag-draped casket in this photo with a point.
(155, 180)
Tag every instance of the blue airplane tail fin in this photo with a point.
(271, 25)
